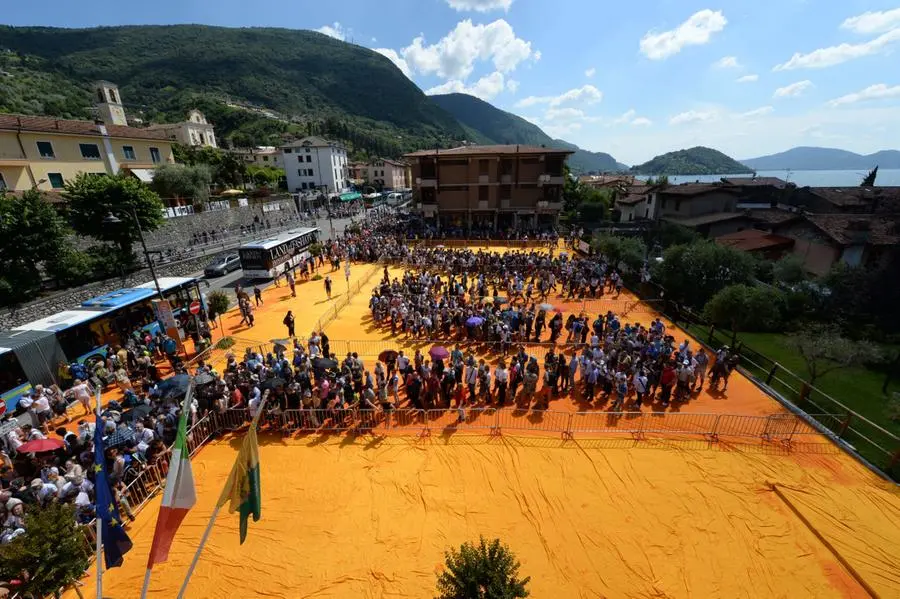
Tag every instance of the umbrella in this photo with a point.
(284, 343)
(174, 386)
(122, 436)
(500, 300)
(204, 378)
(474, 321)
(439, 352)
(546, 307)
(387, 355)
(272, 383)
(136, 413)
(324, 363)
(41, 446)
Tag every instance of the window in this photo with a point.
(483, 194)
(309, 158)
(288, 151)
(483, 166)
(45, 148)
(154, 156)
(56, 180)
(301, 172)
(90, 151)
(128, 151)
(265, 158)
(2, 183)
(307, 150)
(310, 172)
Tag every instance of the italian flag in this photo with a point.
(241, 491)
(179, 496)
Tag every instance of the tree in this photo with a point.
(93, 197)
(746, 308)
(693, 273)
(182, 181)
(629, 250)
(32, 235)
(50, 557)
(824, 350)
(869, 179)
(789, 270)
(217, 303)
(488, 570)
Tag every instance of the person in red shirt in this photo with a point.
(666, 381)
(237, 398)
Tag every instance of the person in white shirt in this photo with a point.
(82, 392)
(640, 387)
(31, 433)
(143, 436)
(501, 378)
(14, 439)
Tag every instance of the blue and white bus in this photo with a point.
(267, 258)
(33, 353)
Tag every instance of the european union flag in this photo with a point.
(115, 540)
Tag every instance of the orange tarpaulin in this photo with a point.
(368, 517)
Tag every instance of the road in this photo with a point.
(228, 281)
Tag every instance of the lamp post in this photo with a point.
(113, 219)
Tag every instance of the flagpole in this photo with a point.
(212, 518)
(185, 409)
(99, 522)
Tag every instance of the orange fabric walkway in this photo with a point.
(370, 518)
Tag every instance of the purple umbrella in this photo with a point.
(439, 352)
(474, 321)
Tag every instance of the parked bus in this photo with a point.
(38, 352)
(266, 258)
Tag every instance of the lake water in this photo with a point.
(850, 178)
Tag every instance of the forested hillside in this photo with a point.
(313, 82)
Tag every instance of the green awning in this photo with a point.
(349, 197)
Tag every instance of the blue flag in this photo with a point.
(115, 540)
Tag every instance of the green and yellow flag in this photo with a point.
(241, 492)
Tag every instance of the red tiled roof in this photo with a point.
(44, 124)
(774, 216)
(695, 189)
(752, 240)
(886, 198)
(706, 219)
(631, 199)
(512, 149)
(756, 181)
(849, 229)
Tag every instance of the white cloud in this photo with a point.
(727, 62)
(793, 90)
(641, 122)
(334, 30)
(878, 91)
(537, 55)
(454, 55)
(697, 30)
(485, 88)
(512, 85)
(590, 72)
(761, 111)
(626, 117)
(747, 79)
(586, 93)
(374, 40)
(873, 21)
(693, 116)
(480, 5)
(396, 59)
(833, 55)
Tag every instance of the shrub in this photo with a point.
(224, 343)
(745, 308)
(316, 277)
(488, 570)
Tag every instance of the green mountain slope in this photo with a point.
(693, 161)
(492, 125)
(318, 84)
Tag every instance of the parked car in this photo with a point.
(222, 265)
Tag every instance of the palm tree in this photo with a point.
(488, 570)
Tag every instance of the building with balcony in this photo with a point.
(314, 163)
(489, 187)
(46, 153)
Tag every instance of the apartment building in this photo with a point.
(315, 163)
(489, 187)
(261, 156)
(45, 153)
(385, 174)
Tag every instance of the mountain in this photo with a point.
(693, 161)
(488, 124)
(824, 159)
(310, 83)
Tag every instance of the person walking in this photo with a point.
(328, 286)
(289, 323)
(257, 295)
(291, 283)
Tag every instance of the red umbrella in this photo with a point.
(41, 446)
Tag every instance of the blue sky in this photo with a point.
(634, 79)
